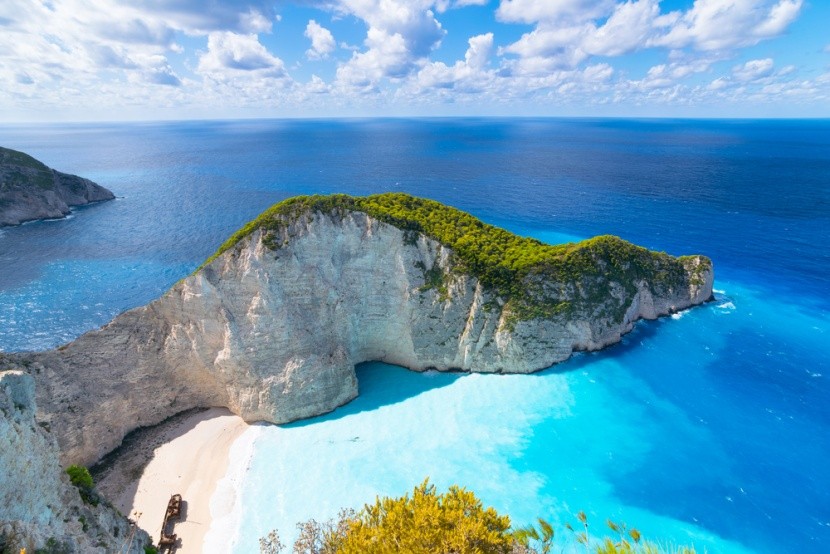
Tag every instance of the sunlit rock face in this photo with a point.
(273, 327)
(39, 508)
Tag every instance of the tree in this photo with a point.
(427, 522)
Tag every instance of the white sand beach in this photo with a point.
(187, 455)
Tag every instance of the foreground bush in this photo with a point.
(455, 522)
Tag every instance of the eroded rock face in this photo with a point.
(274, 334)
(38, 505)
(30, 191)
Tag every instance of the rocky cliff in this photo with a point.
(29, 190)
(39, 508)
(274, 324)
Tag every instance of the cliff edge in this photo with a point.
(39, 508)
(30, 191)
(274, 323)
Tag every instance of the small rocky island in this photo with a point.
(29, 190)
(272, 325)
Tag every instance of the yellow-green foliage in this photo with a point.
(81, 478)
(454, 522)
(518, 269)
(427, 522)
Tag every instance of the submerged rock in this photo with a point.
(273, 325)
(30, 191)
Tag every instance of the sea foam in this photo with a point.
(226, 504)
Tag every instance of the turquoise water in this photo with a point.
(711, 428)
(628, 434)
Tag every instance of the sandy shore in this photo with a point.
(187, 454)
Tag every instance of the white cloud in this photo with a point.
(386, 56)
(193, 16)
(718, 84)
(67, 53)
(723, 24)
(230, 54)
(627, 29)
(570, 32)
(753, 69)
(469, 75)
(400, 36)
(317, 86)
(322, 41)
(553, 11)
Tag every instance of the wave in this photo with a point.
(226, 502)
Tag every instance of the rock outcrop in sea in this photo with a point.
(31, 191)
(273, 325)
(39, 509)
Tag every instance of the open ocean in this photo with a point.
(711, 427)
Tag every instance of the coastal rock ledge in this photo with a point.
(273, 324)
(31, 191)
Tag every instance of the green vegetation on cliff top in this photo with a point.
(517, 268)
(20, 170)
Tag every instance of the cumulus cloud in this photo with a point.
(230, 54)
(558, 11)
(163, 76)
(180, 52)
(400, 35)
(569, 32)
(753, 69)
(722, 24)
(322, 41)
(193, 16)
(469, 75)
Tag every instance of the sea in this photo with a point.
(708, 428)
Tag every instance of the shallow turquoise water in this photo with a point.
(599, 433)
(712, 428)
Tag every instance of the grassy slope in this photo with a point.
(19, 170)
(539, 280)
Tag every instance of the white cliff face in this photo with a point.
(274, 335)
(38, 505)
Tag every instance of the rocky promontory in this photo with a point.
(273, 324)
(29, 190)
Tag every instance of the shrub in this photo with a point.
(429, 522)
(80, 477)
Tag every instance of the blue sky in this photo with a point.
(64, 60)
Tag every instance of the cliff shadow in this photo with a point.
(117, 474)
(380, 384)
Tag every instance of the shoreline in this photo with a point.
(189, 454)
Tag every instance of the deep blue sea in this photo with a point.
(711, 427)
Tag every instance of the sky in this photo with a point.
(117, 60)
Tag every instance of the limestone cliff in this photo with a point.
(273, 326)
(29, 190)
(39, 508)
